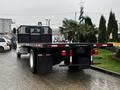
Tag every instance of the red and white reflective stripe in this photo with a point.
(39, 45)
(40, 55)
(54, 45)
(91, 58)
(70, 56)
(70, 59)
(58, 45)
(66, 45)
(91, 55)
(31, 44)
(105, 45)
(102, 45)
(48, 54)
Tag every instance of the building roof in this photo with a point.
(31, 26)
(5, 19)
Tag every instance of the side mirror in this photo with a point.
(14, 30)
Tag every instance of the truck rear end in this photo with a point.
(37, 40)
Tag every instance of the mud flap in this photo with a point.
(81, 56)
(44, 63)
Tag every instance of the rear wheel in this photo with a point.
(33, 62)
(1, 49)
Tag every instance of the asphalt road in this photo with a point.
(15, 75)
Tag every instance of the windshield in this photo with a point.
(2, 40)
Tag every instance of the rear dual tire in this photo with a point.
(33, 62)
(42, 65)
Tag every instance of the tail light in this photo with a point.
(63, 53)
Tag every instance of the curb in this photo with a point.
(106, 71)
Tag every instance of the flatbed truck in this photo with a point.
(44, 54)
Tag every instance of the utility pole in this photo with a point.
(47, 22)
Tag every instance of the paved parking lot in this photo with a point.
(15, 75)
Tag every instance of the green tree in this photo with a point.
(115, 31)
(102, 30)
(77, 32)
(69, 28)
(88, 21)
(112, 27)
(91, 36)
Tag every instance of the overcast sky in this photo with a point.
(32, 11)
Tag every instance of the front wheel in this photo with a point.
(32, 62)
(1, 49)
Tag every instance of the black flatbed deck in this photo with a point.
(41, 45)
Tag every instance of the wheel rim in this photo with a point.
(31, 60)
